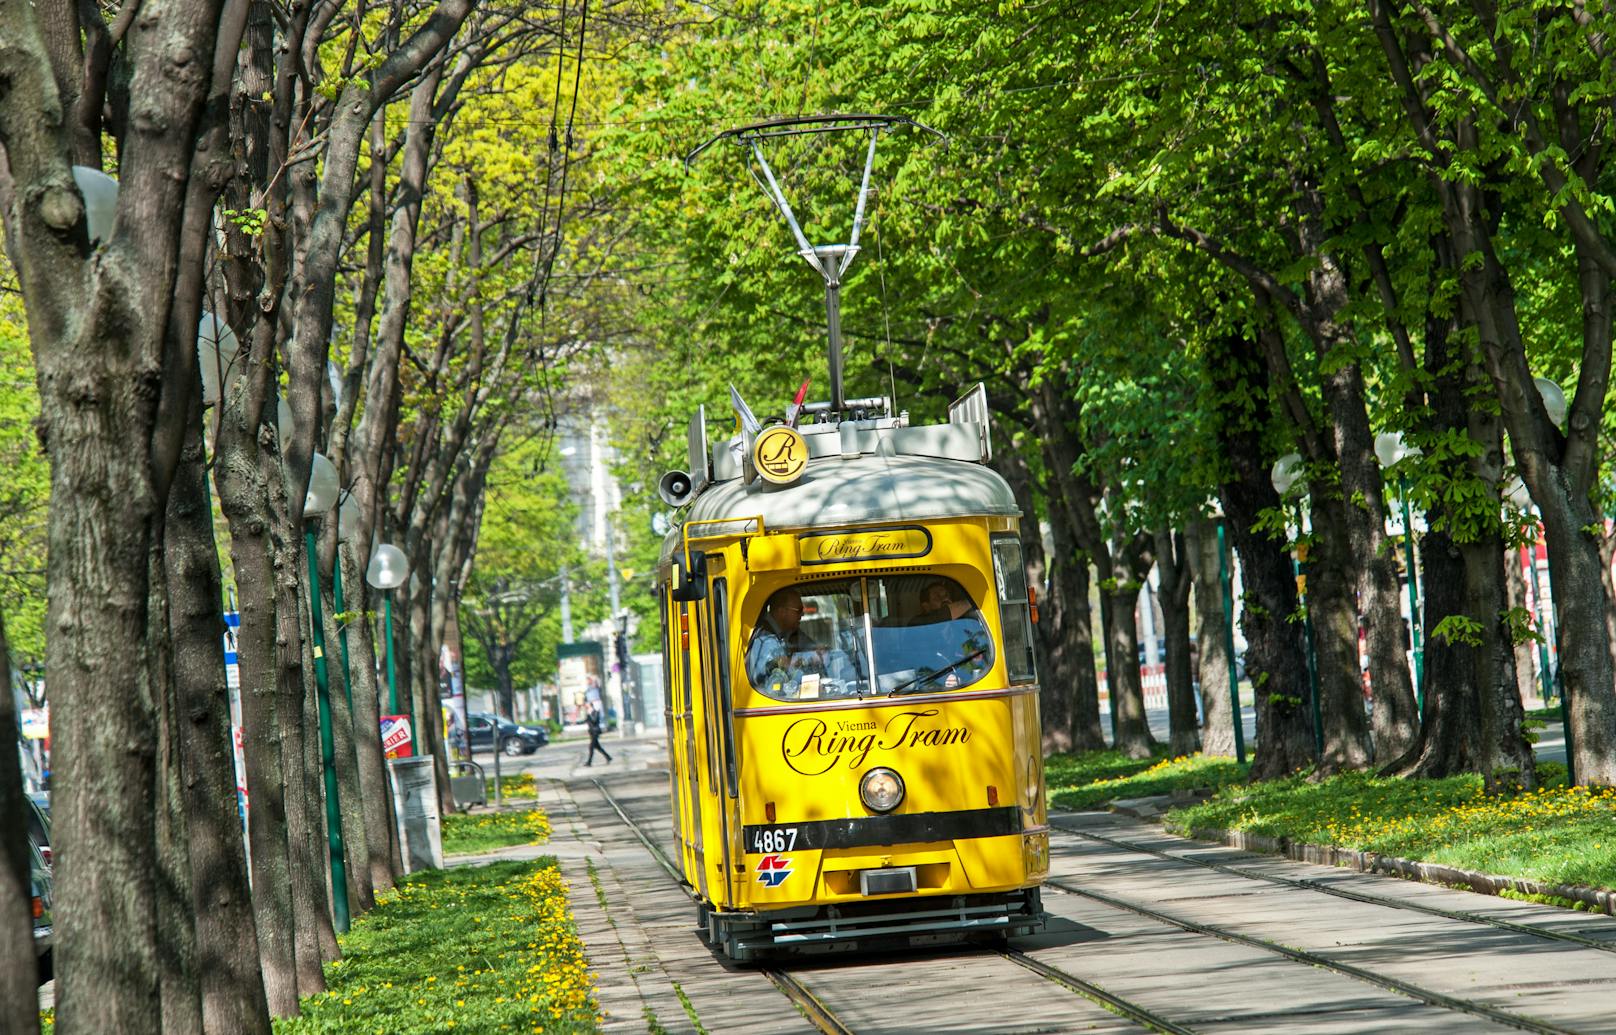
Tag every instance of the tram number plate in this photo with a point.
(773, 839)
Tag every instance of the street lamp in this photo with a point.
(216, 351)
(1390, 451)
(1554, 400)
(387, 571)
(1288, 472)
(100, 193)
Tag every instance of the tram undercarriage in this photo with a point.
(888, 924)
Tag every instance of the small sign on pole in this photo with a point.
(396, 741)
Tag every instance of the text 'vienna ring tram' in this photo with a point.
(853, 727)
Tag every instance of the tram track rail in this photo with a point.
(813, 1009)
(1089, 990)
(1345, 893)
(825, 1019)
(1428, 996)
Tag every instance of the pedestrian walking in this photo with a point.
(596, 723)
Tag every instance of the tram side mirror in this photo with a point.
(689, 584)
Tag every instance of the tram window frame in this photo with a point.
(1015, 607)
(725, 700)
(877, 635)
(709, 695)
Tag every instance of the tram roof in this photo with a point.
(834, 492)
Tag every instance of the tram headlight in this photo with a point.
(881, 790)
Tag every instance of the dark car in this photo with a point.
(513, 739)
(39, 883)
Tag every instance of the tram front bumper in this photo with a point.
(879, 923)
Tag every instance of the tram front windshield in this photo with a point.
(858, 637)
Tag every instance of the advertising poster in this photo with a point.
(396, 739)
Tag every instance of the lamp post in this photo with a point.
(387, 571)
(1288, 471)
(322, 495)
(1390, 451)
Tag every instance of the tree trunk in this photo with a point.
(232, 983)
(1127, 696)
(1173, 569)
(381, 836)
(1373, 569)
(1505, 755)
(97, 324)
(1332, 610)
(360, 895)
(1607, 554)
(307, 867)
(181, 1003)
(244, 498)
(1065, 624)
(1212, 639)
(320, 837)
(1276, 661)
(19, 1011)
(102, 722)
(423, 686)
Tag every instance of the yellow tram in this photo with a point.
(853, 730)
(853, 735)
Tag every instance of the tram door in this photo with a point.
(691, 667)
(719, 773)
(675, 716)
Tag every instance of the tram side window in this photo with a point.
(816, 640)
(1010, 576)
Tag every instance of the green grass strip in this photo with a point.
(475, 949)
(487, 831)
(1554, 834)
(1094, 779)
(519, 786)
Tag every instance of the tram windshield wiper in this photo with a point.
(928, 676)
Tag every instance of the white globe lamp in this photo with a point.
(216, 349)
(1389, 447)
(100, 193)
(1517, 495)
(1286, 473)
(323, 487)
(388, 567)
(1554, 400)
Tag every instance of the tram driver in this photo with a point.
(784, 662)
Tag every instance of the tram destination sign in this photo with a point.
(842, 547)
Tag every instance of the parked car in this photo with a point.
(39, 883)
(512, 739)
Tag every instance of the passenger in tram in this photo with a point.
(939, 604)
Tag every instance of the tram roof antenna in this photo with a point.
(829, 260)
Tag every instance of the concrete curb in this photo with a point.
(1596, 899)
